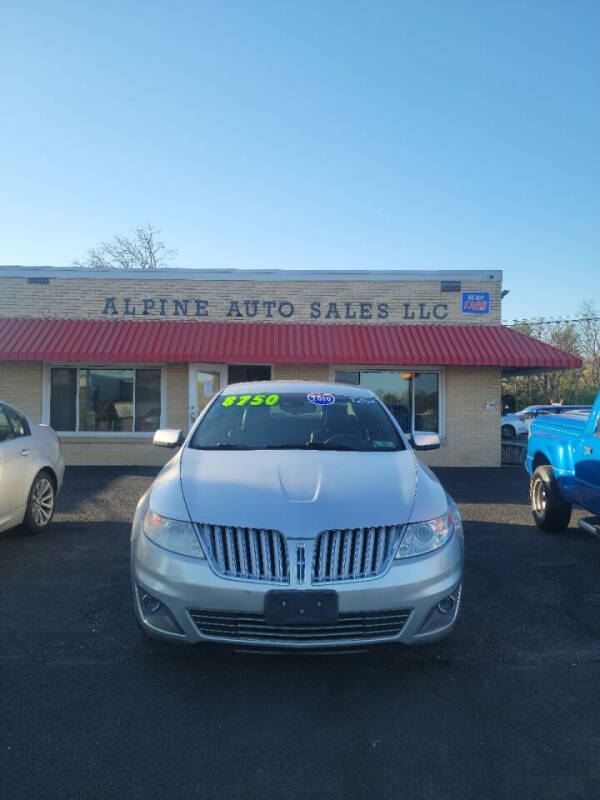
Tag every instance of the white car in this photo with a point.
(296, 515)
(513, 425)
(31, 471)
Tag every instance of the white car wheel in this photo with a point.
(40, 504)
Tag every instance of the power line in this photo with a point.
(542, 321)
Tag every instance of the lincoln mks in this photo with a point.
(296, 515)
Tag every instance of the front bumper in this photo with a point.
(183, 585)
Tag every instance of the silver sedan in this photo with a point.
(31, 471)
(296, 515)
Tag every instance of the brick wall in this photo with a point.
(472, 431)
(85, 298)
(21, 386)
(96, 451)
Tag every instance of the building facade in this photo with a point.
(107, 357)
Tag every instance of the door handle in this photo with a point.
(587, 450)
(25, 452)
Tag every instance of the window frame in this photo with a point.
(77, 434)
(438, 370)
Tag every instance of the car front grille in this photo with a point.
(249, 626)
(246, 553)
(354, 553)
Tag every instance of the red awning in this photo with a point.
(131, 341)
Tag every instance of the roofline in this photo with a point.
(92, 273)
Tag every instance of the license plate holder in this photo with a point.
(301, 608)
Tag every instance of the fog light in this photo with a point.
(150, 603)
(443, 614)
(446, 605)
(156, 615)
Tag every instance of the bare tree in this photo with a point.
(554, 385)
(581, 338)
(142, 251)
(589, 341)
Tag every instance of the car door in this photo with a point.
(587, 469)
(15, 465)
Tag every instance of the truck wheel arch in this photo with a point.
(539, 460)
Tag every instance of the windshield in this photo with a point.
(296, 421)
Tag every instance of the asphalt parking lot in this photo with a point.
(508, 707)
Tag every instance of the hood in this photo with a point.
(299, 492)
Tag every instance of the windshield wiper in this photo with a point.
(298, 446)
(221, 446)
(303, 446)
(323, 446)
(310, 446)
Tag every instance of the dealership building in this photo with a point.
(107, 357)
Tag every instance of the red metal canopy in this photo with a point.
(274, 343)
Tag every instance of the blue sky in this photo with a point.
(338, 135)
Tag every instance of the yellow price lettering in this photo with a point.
(253, 399)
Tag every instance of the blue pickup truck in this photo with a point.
(563, 461)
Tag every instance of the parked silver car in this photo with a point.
(296, 515)
(31, 471)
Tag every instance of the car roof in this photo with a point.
(293, 387)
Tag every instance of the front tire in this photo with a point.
(550, 511)
(40, 503)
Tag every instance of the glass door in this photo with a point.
(205, 380)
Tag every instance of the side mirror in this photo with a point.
(168, 437)
(425, 440)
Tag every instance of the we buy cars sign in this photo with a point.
(475, 302)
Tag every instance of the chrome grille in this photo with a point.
(246, 553)
(354, 553)
(248, 626)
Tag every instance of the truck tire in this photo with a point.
(550, 511)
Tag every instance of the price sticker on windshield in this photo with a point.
(321, 398)
(250, 400)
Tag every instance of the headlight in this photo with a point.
(423, 537)
(172, 534)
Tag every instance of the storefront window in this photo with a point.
(412, 397)
(345, 376)
(426, 394)
(147, 399)
(240, 373)
(63, 398)
(105, 400)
